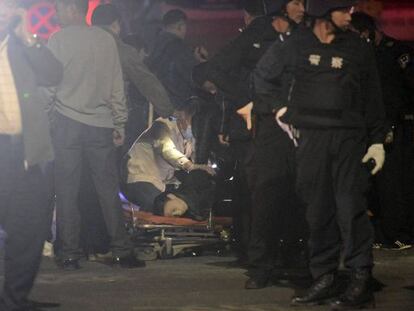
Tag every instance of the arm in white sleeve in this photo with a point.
(170, 153)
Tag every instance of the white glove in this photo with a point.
(285, 127)
(377, 153)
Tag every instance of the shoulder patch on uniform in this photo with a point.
(257, 45)
(404, 60)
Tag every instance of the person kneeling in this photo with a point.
(155, 157)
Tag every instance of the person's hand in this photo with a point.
(204, 167)
(118, 138)
(377, 153)
(201, 54)
(246, 113)
(292, 133)
(22, 28)
(223, 139)
(389, 138)
(190, 166)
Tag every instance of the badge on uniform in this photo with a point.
(337, 62)
(403, 60)
(314, 59)
(256, 45)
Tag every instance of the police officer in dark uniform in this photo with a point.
(275, 213)
(394, 64)
(230, 71)
(334, 103)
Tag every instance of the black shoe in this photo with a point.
(69, 264)
(256, 282)
(321, 291)
(128, 262)
(358, 294)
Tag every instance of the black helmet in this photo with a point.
(275, 7)
(320, 8)
(362, 22)
(264, 7)
(255, 7)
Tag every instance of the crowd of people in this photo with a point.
(311, 104)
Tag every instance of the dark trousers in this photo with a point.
(332, 182)
(94, 236)
(408, 173)
(24, 218)
(276, 212)
(142, 194)
(73, 140)
(241, 195)
(391, 213)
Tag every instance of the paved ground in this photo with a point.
(199, 284)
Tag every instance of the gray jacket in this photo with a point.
(33, 67)
(92, 90)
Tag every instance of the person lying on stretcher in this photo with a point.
(153, 160)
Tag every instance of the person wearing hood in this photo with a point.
(332, 108)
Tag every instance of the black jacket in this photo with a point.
(33, 67)
(230, 69)
(395, 65)
(324, 85)
(138, 74)
(172, 61)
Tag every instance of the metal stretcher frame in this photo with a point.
(168, 240)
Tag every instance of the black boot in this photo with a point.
(358, 294)
(321, 291)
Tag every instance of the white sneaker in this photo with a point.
(397, 246)
(48, 249)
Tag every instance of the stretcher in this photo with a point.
(167, 237)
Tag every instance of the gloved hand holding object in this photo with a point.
(377, 153)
